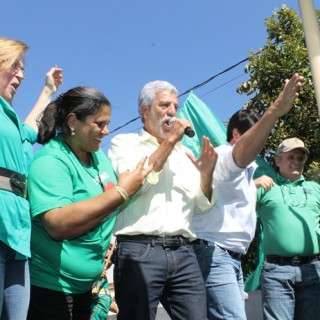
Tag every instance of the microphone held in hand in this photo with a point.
(188, 131)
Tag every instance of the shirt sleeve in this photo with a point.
(226, 169)
(30, 134)
(203, 203)
(49, 185)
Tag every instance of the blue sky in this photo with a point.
(117, 46)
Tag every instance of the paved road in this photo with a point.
(253, 308)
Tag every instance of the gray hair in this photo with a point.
(149, 91)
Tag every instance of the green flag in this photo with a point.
(204, 123)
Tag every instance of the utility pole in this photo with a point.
(312, 35)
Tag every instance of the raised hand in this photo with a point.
(283, 104)
(208, 158)
(205, 164)
(54, 78)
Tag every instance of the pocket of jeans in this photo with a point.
(133, 251)
(220, 252)
(189, 249)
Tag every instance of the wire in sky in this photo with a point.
(193, 88)
(210, 79)
(222, 85)
(124, 125)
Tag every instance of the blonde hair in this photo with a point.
(10, 51)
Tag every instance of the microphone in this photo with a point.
(188, 131)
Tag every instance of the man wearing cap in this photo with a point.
(289, 213)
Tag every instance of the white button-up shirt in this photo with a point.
(167, 200)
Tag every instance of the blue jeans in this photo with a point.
(144, 274)
(14, 285)
(291, 292)
(223, 281)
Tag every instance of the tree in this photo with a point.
(284, 54)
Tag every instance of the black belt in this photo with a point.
(236, 255)
(200, 241)
(13, 181)
(165, 241)
(293, 261)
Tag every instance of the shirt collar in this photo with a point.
(282, 180)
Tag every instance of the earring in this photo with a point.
(72, 131)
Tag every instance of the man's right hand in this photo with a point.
(283, 104)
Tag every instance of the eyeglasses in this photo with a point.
(290, 201)
(16, 67)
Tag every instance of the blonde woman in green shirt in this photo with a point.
(16, 139)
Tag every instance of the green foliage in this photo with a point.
(283, 54)
(314, 172)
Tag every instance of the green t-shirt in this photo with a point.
(57, 179)
(290, 214)
(16, 141)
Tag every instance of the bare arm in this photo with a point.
(75, 219)
(251, 142)
(53, 81)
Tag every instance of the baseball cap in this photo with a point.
(290, 144)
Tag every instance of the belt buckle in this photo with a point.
(296, 261)
(170, 242)
(18, 184)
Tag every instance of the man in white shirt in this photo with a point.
(154, 258)
(225, 232)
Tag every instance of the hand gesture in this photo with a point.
(207, 160)
(285, 100)
(132, 181)
(54, 78)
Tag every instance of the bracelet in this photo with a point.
(123, 193)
